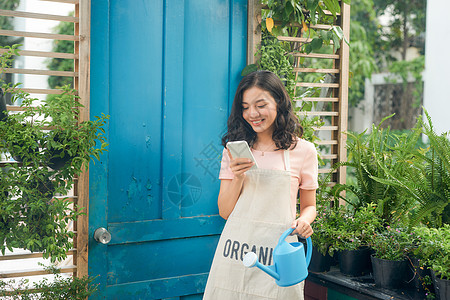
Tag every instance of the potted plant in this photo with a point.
(40, 134)
(350, 231)
(369, 157)
(389, 261)
(433, 251)
(424, 176)
(321, 260)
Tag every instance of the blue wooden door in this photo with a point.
(166, 72)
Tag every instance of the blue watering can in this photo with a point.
(290, 265)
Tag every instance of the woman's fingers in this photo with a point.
(239, 169)
(240, 165)
(302, 228)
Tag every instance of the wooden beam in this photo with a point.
(34, 272)
(313, 70)
(315, 55)
(40, 91)
(43, 54)
(40, 72)
(23, 14)
(318, 99)
(253, 29)
(40, 35)
(343, 91)
(83, 86)
(28, 255)
(296, 39)
(317, 84)
(318, 113)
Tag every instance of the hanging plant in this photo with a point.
(52, 147)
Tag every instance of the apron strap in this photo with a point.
(287, 163)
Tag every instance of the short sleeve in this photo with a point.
(310, 169)
(225, 171)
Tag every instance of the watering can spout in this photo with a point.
(251, 260)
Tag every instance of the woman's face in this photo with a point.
(259, 109)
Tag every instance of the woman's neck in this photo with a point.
(264, 139)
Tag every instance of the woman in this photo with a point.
(259, 205)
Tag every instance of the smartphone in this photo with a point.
(240, 149)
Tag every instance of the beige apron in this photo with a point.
(262, 213)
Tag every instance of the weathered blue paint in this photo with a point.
(166, 72)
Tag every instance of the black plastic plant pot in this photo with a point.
(418, 274)
(320, 262)
(39, 188)
(355, 262)
(58, 158)
(389, 274)
(56, 162)
(3, 111)
(441, 286)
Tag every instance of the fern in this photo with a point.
(423, 175)
(370, 156)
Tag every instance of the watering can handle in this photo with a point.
(285, 235)
(308, 244)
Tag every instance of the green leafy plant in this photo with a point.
(433, 249)
(352, 229)
(58, 288)
(392, 243)
(294, 16)
(425, 177)
(38, 137)
(274, 57)
(369, 157)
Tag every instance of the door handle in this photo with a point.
(102, 235)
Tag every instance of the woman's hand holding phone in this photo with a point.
(239, 165)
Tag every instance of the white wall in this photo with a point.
(437, 65)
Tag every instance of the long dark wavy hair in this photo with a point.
(287, 127)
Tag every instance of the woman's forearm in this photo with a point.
(308, 213)
(230, 191)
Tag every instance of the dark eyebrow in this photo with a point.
(256, 101)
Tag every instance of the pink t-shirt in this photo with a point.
(304, 166)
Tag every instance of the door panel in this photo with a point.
(166, 72)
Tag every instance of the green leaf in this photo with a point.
(316, 43)
(288, 9)
(249, 69)
(340, 34)
(308, 48)
(331, 6)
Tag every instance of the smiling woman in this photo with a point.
(260, 204)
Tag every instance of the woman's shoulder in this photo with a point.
(303, 146)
